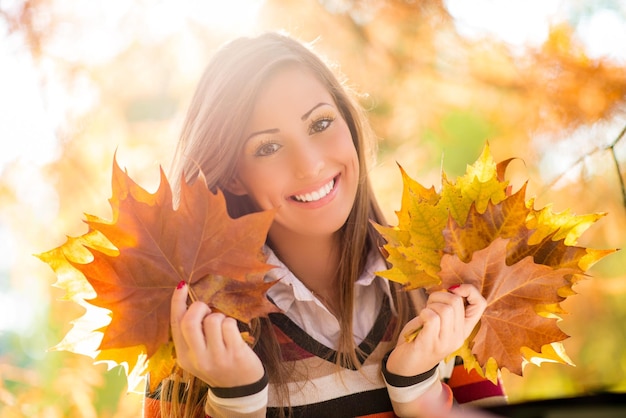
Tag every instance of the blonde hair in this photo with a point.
(212, 140)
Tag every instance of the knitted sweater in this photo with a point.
(320, 388)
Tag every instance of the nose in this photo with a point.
(308, 161)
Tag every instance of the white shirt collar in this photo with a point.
(290, 289)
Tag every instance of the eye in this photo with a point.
(320, 124)
(267, 148)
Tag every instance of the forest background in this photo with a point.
(544, 81)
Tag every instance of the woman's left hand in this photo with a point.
(447, 320)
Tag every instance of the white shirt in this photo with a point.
(302, 306)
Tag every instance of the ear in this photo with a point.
(236, 187)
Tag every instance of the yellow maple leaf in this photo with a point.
(475, 230)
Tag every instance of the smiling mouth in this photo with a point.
(316, 195)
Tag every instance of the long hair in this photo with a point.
(211, 142)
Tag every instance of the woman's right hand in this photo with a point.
(210, 346)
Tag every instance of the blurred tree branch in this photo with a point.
(619, 172)
(611, 148)
(28, 18)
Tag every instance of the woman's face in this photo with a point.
(299, 157)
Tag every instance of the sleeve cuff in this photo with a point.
(241, 399)
(241, 391)
(404, 389)
(404, 381)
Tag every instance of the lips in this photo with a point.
(317, 194)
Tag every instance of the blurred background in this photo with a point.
(541, 80)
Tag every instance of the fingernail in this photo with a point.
(181, 284)
(456, 286)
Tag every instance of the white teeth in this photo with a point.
(316, 195)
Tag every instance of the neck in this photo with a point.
(315, 262)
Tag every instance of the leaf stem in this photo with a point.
(192, 294)
(410, 336)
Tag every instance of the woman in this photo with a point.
(272, 126)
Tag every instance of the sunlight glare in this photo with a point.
(27, 131)
(169, 17)
(604, 34)
(516, 22)
(522, 23)
(236, 16)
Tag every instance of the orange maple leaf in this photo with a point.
(159, 246)
(241, 300)
(139, 257)
(513, 292)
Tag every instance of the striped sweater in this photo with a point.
(319, 388)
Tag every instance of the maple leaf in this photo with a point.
(241, 300)
(512, 292)
(416, 244)
(131, 265)
(419, 210)
(524, 261)
(506, 220)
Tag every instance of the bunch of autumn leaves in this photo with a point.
(524, 262)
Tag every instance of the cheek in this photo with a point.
(346, 151)
(264, 187)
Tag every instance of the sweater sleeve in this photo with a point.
(249, 401)
(403, 389)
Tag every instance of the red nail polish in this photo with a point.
(181, 284)
(456, 286)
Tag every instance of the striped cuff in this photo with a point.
(241, 391)
(242, 405)
(403, 389)
(241, 399)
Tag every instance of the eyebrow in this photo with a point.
(306, 115)
(275, 130)
(267, 131)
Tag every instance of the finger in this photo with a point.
(476, 303)
(449, 302)
(191, 326)
(231, 334)
(178, 308)
(469, 292)
(213, 336)
(452, 299)
(432, 325)
(451, 319)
